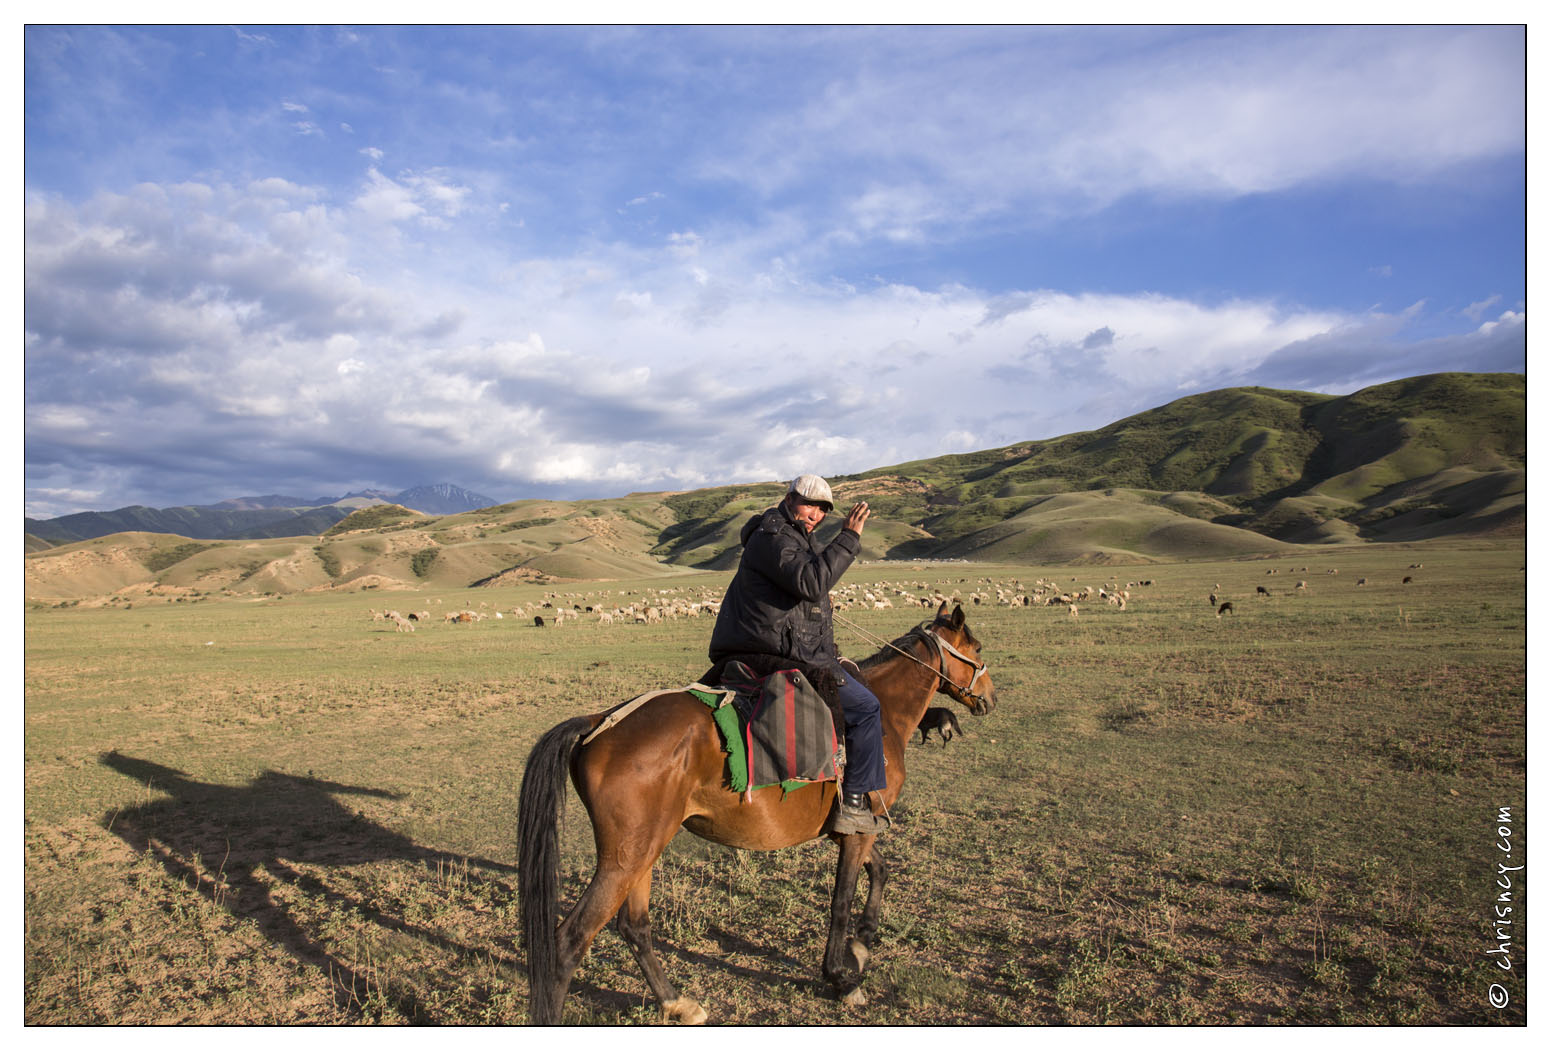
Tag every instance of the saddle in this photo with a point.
(821, 679)
(776, 732)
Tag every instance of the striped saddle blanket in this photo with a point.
(777, 728)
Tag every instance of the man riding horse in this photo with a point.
(778, 604)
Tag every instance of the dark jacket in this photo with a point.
(778, 601)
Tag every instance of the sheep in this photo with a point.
(399, 623)
(1226, 607)
(1262, 591)
(538, 622)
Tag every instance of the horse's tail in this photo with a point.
(539, 810)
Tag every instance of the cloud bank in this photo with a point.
(554, 307)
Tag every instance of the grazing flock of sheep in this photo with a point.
(984, 592)
(654, 605)
(555, 608)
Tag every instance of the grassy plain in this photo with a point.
(283, 811)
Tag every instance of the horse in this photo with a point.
(663, 767)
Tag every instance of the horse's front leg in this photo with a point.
(867, 930)
(843, 962)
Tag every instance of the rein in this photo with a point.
(944, 650)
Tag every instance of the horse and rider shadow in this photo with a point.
(250, 848)
(239, 845)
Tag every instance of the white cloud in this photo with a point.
(282, 189)
(434, 188)
(386, 201)
(1475, 310)
(1039, 121)
(631, 303)
(253, 38)
(1510, 318)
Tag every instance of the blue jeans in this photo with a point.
(864, 737)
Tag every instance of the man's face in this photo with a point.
(808, 515)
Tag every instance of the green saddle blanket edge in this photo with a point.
(726, 717)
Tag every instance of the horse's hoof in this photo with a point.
(684, 1010)
(860, 954)
(855, 998)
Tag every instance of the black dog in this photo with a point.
(943, 721)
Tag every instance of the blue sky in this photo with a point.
(584, 262)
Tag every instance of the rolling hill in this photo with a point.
(1244, 472)
(246, 517)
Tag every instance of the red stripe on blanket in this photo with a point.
(789, 698)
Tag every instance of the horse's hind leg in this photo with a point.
(581, 925)
(635, 926)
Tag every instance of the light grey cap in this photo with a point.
(813, 489)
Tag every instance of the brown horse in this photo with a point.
(662, 767)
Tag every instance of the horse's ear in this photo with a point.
(957, 620)
(942, 610)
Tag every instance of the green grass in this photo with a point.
(1285, 815)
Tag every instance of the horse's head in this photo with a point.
(965, 677)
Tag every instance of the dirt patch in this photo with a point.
(879, 486)
(368, 582)
(516, 575)
(83, 572)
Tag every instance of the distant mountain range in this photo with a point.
(251, 517)
(1246, 472)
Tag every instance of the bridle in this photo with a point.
(945, 649)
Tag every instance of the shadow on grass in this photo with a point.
(240, 845)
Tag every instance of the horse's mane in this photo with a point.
(891, 651)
